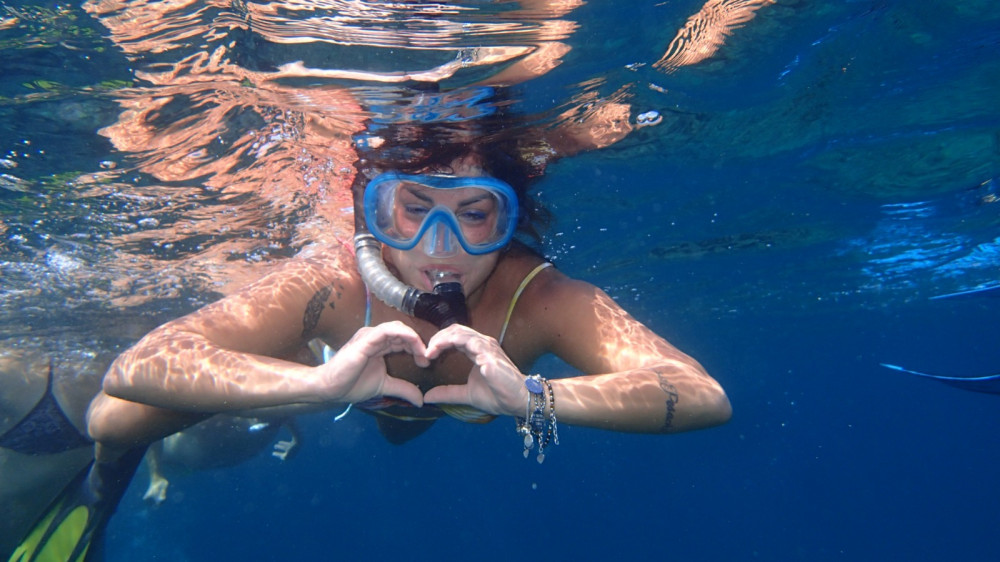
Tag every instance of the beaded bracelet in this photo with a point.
(553, 422)
(535, 427)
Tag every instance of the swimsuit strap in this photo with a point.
(368, 307)
(517, 294)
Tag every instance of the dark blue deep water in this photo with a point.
(828, 457)
(813, 184)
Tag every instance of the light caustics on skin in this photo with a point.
(664, 383)
(221, 373)
(707, 31)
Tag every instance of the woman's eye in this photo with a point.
(472, 216)
(416, 210)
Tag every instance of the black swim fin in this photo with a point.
(74, 522)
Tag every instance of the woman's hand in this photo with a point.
(357, 372)
(495, 386)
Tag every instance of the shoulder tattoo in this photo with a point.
(314, 308)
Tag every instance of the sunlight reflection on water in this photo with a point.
(227, 131)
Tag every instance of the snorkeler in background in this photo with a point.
(46, 454)
(43, 432)
(218, 442)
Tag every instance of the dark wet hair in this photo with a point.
(496, 138)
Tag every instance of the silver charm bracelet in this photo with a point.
(535, 427)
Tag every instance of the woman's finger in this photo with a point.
(448, 394)
(398, 388)
(457, 337)
(394, 337)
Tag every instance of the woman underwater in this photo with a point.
(443, 219)
(439, 310)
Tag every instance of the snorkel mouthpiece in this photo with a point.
(444, 307)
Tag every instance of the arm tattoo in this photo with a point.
(313, 309)
(672, 398)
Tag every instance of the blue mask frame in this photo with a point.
(440, 218)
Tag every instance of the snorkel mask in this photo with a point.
(441, 213)
(444, 214)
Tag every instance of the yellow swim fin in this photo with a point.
(76, 519)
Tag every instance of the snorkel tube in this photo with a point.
(442, 307)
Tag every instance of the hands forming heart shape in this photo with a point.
(357, 372)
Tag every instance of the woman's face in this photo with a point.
(418, 269)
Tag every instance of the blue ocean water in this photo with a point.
(812, 186)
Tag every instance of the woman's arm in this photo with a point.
(640, 382)
(118, 425)
(223, 358)
(664, 398)
(213, 360)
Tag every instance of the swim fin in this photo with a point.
(75, 520)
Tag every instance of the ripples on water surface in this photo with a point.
(163, 150)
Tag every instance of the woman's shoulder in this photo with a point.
(291, 285)
(546, 297)
(537, 286)
(519, 263)
(314, 290)
(540, 277)
(540, 298)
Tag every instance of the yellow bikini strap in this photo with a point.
(517, 294)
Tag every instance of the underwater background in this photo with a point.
(822, 184)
